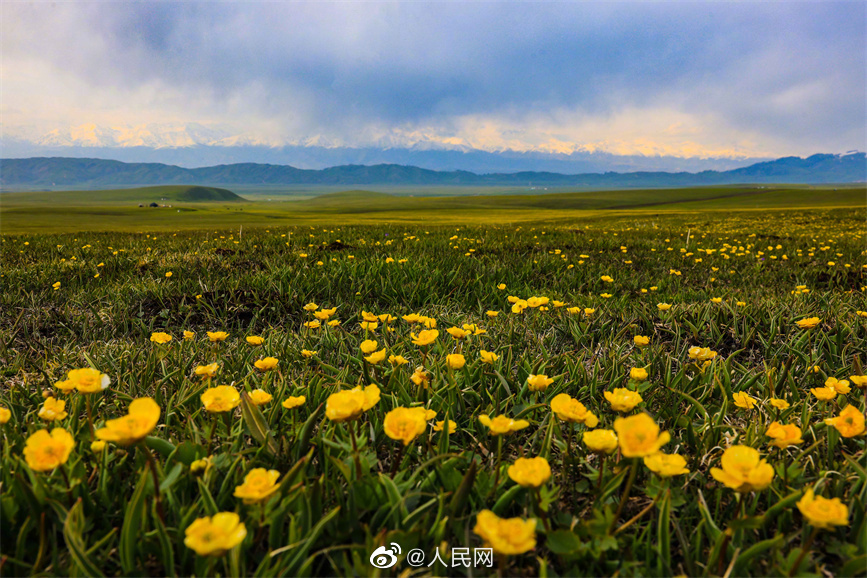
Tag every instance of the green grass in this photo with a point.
(118, 210)
(347, 489)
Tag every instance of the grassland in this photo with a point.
(562, 286)
(118, 210)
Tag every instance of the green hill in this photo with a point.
(142, 195)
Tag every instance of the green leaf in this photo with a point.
(563, 542)
(459, 500)
(162, 446)
(506, 500)
(257, 424)
(307, 432)
(72, 530)
(133, 526)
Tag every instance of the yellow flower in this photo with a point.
(97, 446)
(607, 279)
(254, 340)
(824, 393)
(639, 436)
(412, 318)
(52, 409)
(221, 398)
(501, 286)
(259, 484)
(5, 415)
(260, 397)
(207, 371)
(641, 341)
(65, 385)
(420, 377)
(716, 299)
(88, 380)
(488, 357)
(45, 451)
(311, 306)
(666, 465)
(638, 374)
(141, 419)
(784, 435)
(368, 346)
(538, 382)
(822, 512)
(492, 313)
(371, 396)
(425, 337)
(216, 336)
(622, 399)
(859, 380)
(440, 426)
(201, 466)
(397, 360)
(455, 361)
(663, 306)
(315, 324)
(780, 404)
(841, 386)
(701, 353)
(405, 424)
(215, 535)
(600, 440)
(56, 285)
(589, 312)
(530, 472)
(369, 325)
(808, 323)
(569, 409)
(743, 470)
(160, 337)
(849, 423)
(293, 402)
(375, 357)
(744, 400)
(266, 363)
(506, 536)
(502, 425)
(307, 353)
(188, 335)
(457, 332)
(344, 405)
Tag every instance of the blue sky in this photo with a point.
(688, 79)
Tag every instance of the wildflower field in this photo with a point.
(625, 394)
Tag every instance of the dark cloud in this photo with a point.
(788, 71)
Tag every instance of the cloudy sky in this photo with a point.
(685, 79)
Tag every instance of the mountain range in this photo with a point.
(102, 173)
(199, 145)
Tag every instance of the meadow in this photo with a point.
(515, 385)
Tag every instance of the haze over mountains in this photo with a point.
(197, 145)
(101, 173)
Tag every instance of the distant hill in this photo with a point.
(166, 194)
(98, 173)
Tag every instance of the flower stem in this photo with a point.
(625, 497)
(153, 467)
(804, 549)
(355, 450)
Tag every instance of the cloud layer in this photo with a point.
(719, 79)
